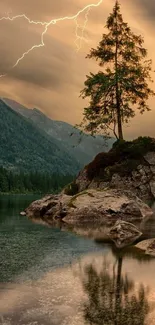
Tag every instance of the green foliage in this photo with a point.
(123, 83)
(71, 189)
(34, 182)
(123, 158)
(136, 148)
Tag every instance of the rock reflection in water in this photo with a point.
(91, 230)
(113, 298)
(96, 231)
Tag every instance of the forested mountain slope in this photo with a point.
(83, 147)
(26, 147)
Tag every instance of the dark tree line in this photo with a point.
(11, 182)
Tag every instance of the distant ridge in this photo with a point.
(82, 147)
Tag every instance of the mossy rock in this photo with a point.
(73, 199)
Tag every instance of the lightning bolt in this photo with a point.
(80, 38)
(46, 25)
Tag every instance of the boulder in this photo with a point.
(124, 234)
(106, 206)
(148, 246)
(40, 207)
(91, 206)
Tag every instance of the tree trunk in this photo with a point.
(119, 119)
(118, 102)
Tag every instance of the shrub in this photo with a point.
(123, 158)
(71, 189)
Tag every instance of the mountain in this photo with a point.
(83, 147)
(24, 146)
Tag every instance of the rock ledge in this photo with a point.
(90, 206)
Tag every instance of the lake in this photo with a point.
(50, 276)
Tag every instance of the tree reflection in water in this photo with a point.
(113, 298)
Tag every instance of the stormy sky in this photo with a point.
(51, 77)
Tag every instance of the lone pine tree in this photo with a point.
(123, 84)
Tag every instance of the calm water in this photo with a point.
(53, 277)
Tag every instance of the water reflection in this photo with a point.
(27, 250)
(113, 298)
(52, 277)
(99, 232)
(97, 289)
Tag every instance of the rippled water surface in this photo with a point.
(54, 277)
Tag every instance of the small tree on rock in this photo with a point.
(123, 84)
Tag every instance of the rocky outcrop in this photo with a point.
(148, 246)
(124, 234)
(114, 186)
(128, 167)
(141, 182)
(91, 206)
(150, 158)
